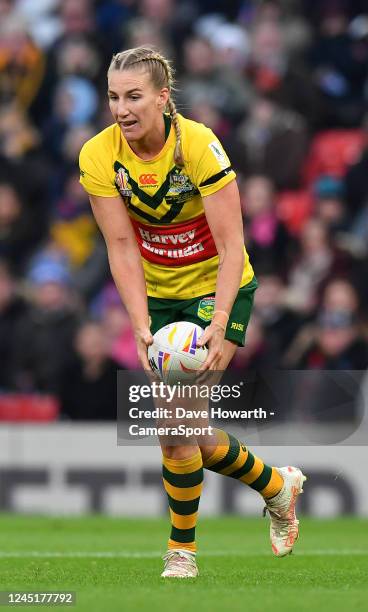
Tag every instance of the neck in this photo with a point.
(151, 144)
(93, 367)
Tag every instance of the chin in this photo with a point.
(132, 136)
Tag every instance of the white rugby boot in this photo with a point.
(179, 564)
(284, 528)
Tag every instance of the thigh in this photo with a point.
(228, 353)
(183, 448)
(200, 311)
(161, 312)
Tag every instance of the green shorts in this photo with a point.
(199, 310)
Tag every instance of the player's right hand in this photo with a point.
(213, 336)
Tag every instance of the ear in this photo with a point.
(162, 98)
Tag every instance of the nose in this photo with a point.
(122, 110)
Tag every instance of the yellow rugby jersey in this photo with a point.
(165, 205)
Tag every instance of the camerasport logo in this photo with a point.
(148, 179)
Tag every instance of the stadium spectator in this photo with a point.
(43, 337)
(204, 81)
(78, 17)
(339, 63)
(22, 64)
(12, 307)
(268, 134)
(18, 227)
(74, 231)
(265, 235)
(206, 112)
(317, 259)
(336, 344)
(335, 337)
(143, 31)
(6, 8)
(42, 19)
(339, 295)
(329, 203)
(356, 179)
(280, 324)
(74, 137)
(277, 74)
(117, 328)
(89, 382)
(112, 17)
(73, 228)
(75, 103)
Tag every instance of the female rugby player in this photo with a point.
(165, 197)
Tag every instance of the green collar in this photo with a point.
(167, 121)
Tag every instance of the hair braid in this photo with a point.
(162, 76)
(178, 153)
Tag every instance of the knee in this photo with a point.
(207, 450)
(179, 452)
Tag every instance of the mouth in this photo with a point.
(128, 124)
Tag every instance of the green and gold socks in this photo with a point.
(183, 481)
(232, 458)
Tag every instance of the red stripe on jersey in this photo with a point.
(176, 244)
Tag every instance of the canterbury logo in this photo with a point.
(148, 179)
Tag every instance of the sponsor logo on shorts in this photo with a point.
(205, 308)
(237, 326)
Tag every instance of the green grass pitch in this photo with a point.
(114, 564)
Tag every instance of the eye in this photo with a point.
(134, 97)
(112, 97)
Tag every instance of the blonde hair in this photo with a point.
(161, 74)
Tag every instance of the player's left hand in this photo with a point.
(213, 336)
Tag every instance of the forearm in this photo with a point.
(127, 271)
(230, 271)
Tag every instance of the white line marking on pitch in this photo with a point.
(153, 554)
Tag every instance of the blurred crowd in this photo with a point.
(283, 84)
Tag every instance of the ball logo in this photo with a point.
(190, 344)
(163, 361)
(171, 335)
(148, 179)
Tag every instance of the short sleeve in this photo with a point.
(94, 175)
(211, 167)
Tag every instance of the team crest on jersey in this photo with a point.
(177, 180)
(122, 183)
(181, 189)
(205, 308)
(180, 183)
